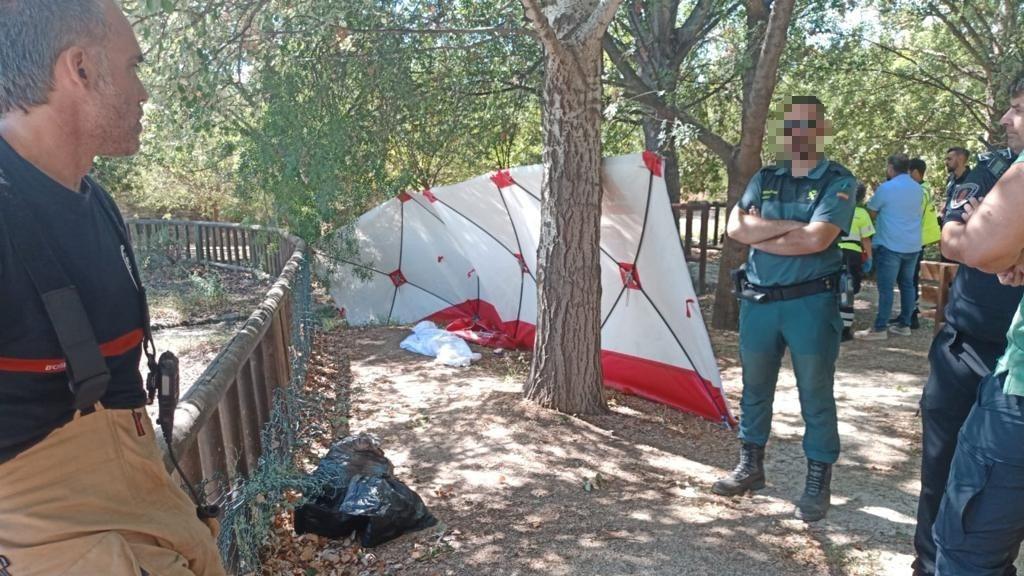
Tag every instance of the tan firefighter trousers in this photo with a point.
(93, 499)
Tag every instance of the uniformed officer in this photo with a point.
(791, 216)
(957, 166)
(980, 523)
(962, 353)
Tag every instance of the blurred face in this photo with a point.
(802, 127)
(1013, 122)
(114, 112)
(954, 161)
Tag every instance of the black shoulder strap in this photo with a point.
(88, 375)
(107, 203)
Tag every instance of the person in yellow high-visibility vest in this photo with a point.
(931, 233)
(857, 257)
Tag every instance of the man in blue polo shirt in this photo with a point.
(791, 216)
(896, 206)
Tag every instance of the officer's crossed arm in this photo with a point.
(809, 238)
(992, 238)
(750, 228)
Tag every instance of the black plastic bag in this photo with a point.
(359, 493)
(391, 507)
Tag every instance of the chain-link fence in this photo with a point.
(241, 424)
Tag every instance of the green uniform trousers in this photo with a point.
(810, 327)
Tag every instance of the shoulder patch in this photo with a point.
(962, 194)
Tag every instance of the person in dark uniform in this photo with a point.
(791, 216)
(980, 522)
(963, 352)
(957, 166)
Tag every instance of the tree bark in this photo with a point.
(566, 372)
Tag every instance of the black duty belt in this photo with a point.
(765, 294)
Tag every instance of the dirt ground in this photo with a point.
(194, 319)
(522, 490)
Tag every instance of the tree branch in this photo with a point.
(689, 34)
(501, 30)
(547, 35)
(765, 77)
(595, 26)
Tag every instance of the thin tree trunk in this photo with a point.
(656, 138)
(726, 310)
(566, 372)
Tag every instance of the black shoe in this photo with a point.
(748, 474)
(817, 496)
(914, 322)
(847, 335)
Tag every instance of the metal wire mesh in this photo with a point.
(253, 503)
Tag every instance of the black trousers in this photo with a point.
(958, 365)
(855, 267)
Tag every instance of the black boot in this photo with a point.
(817, 496)
(748, 474)
(847, 335)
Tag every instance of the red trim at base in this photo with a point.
(677, 387)
(478, 322)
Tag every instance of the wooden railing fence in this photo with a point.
(702, 228)
(219, 419)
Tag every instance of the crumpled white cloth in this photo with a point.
(445, 347)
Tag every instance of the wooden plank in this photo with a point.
(238, 245)
(249, 417)
(259, 368)
(688, 237)
(188, 459)
(705, 214)
(231, 429)
(212, 456)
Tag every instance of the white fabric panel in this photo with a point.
(478, 199)
(663, 271)
(365, 297)
(475, 233)
(413, 304)
(499, 271)
(431, 259)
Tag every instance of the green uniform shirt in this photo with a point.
(1012, 361)
(826, 194)
(861, 228)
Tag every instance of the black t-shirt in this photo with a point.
(34, 394)
(952, 182)
(978, 304)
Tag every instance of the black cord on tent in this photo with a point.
(643, 233)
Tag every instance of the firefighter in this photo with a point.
(83, 489)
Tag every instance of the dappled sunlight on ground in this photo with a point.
(523, 490)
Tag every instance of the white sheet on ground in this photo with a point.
(445, 347)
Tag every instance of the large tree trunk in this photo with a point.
(566, 373)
